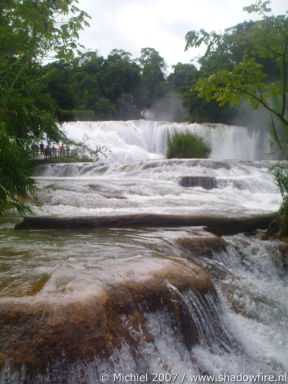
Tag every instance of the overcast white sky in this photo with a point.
(160, 24)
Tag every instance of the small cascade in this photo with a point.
(112, 330)
(204, 313)
(131, 301)
(250, 276)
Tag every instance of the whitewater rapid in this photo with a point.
(152, 186)
(131, 174)
(134, 140)
(79, 303)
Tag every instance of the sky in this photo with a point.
(161, 24)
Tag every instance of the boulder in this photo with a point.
(60, 332)
(206, 182)
(202, 245)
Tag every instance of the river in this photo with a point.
(146, 304)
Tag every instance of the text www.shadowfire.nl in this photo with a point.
(190, 378)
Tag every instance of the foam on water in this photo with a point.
(255, 286)
(135, 177)
(243, 331)
(141, 139)
(152, 186)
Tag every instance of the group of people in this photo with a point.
(53, 151)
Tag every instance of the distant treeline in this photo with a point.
(120, 88)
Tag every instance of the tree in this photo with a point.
(152, 75)
(182, 81)
(30, 31)
(248, 77)
(16, 186)
(59, 86)
(182, 77)
(256, 70)
(87, 73)
(120, 81)
(106, 88)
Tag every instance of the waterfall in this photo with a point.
(204, 313)
(141, 139)
(168, 303)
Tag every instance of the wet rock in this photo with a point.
(36, 334)
(202, 245)
(205, 182)
(283, 249)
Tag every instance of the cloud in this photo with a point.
(161, 24)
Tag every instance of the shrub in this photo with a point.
(280, 172)
(279, 134)
(187, 146)
(16, 186)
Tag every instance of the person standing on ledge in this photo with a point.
(53, 151)
(62, 150)
(41, 148)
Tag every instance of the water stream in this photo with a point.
(141, 139)
(165, 303)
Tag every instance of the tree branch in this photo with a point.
(284, 78)
(262, 102)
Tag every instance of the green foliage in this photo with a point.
(98, 88)
(29, 32)
(183, 81)
(187, 146)
(182, 77)
(16, 186)
(121, 75)
(152, 76)
(58, 76)
(103, 88)
(255, 66)
(204, 111)
(230, 86)
(281, 176)
(283, 218)
(280, 172)
(259, 6)
(149, 56)
(119, 88)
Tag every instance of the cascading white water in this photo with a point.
(135, 177)
(141, 139)
(244, 332)
(240, 323)
(153, 187)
